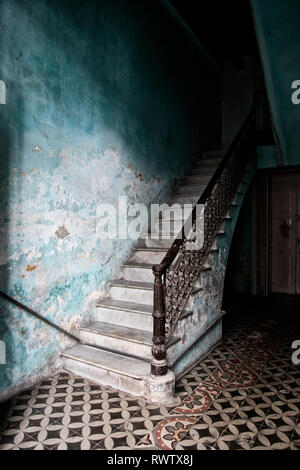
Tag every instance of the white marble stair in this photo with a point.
(130, 314)
(120, 339)
(116, 346)
(145, 254)
(138, 272)
(132, 291)
(119, 371)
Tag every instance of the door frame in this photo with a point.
(262, 232)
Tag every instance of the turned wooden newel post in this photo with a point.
(159, 364)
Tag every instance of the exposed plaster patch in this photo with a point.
(41, 337)
(72, 323)
(30, 268)
(62, 232)
(36, 148)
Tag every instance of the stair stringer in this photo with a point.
(201, 331)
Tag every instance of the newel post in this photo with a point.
(159, 364)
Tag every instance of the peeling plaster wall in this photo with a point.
(102, 100)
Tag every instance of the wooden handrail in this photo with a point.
(246, 135)
(174, 249)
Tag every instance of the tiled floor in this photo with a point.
(244, 395)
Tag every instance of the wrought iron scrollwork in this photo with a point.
(175, 277)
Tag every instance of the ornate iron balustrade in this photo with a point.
(175, 276)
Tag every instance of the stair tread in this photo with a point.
(187, 194)
(134, 264)
(147, 248)
(120, 332)
(126, 306)
(213, 153)
(132, 284)
(204, 164)
(192, 184)
(119, 363)
(204, 171)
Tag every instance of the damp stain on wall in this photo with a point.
(95, 110)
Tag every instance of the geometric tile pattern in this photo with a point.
(244, 395)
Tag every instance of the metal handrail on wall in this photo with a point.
(37, 315)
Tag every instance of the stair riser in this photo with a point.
(200, 180)
(169, 226)
(138, 274)
(124, 318)
(177, 214)
(107, 378)
(150, 257)
(211, 161)
(213, 154)
(205, 167)
(126, 294)
(190, 189)
(151, 243)
(204, 172)
(185, 199)
(117, 345)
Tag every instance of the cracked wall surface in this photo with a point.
(103, 99)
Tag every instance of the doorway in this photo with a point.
(284, 232)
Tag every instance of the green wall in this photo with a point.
(104, 99)
(277, 24)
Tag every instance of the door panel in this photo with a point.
(297, 189)
(283, 234)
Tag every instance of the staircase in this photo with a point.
(115, 347)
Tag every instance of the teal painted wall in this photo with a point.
(104, 99)
(267, 157)
(277, 24)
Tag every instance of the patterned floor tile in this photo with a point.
(244, 395)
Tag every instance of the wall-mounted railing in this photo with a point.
(38, 316)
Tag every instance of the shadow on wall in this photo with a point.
(11, 148)
(101, 103)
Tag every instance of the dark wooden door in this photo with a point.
(298, 236)
(284, 233)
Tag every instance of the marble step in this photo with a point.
(129, 314)
(132, 291)
(214, 154)
(176, 211)
(148, 255)
(138, 272)
(208, 172)
(120, 339)
(202, 166)
(108, 368)
(215, 161)
(165, 243)
(170, 226)
(190, 188)
(185, 199)
(197, 179)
